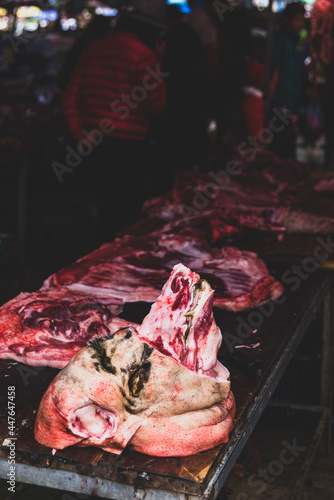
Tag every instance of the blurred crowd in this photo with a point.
(159, 88)
(221, 78)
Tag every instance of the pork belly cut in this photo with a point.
(324, 186)
(260, 198)
(300, 222)
(196, 192)
(48, 326)
(226, 224)
(240, 279)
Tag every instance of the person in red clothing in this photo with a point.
(116, 88)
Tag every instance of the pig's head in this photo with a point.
(121, 390)
(161, 397)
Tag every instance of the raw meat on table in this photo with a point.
(159, 390)
(47, 327)
(286, 220)
(279, 174)
(196, 192)
(234, 210)
(299, 222)
(135, 269)
(259, 195)
(229, 223)
(324, 186)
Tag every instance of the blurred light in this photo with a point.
(308, 8)
(43, 23)
(3, 12)
(278, 5)
(261, 4)
(183, 5)
(68, 24)
(49, 15)
(4, 23)
(19, 28)
(212, 126)
(260, 32)
(28, 11)
(31, 26)
(106, 11)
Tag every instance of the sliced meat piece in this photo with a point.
(299, 222)
(140, 272)
(222, 224)
(47, 327)
(241, 280)
(324, 186)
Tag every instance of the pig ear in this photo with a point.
(123, 435)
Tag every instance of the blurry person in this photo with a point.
(7, 54)
(252, 107)
(182, 126)
(322, 50)
(116, 88)
(286, 83)
(234, 48)
(99, 26)
(200, 18)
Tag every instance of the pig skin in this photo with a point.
(159, 389)
(175, 412)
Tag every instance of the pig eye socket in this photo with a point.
(138, 377)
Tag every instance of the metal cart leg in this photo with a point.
(326, 394)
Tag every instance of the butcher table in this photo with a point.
(202, 476)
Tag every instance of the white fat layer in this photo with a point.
(125, 293)
(209, 345)
(222, 372)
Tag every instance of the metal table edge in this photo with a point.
(77, 483)
(225, 466)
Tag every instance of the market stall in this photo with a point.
(93, 471)
(254, 232)
(258, 344)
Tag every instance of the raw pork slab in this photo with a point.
(225, 224)
(198, 192)
(159, 390)
(137, 273)
(251, 201)
(47, 327)
(299, 222)
(324, 186)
